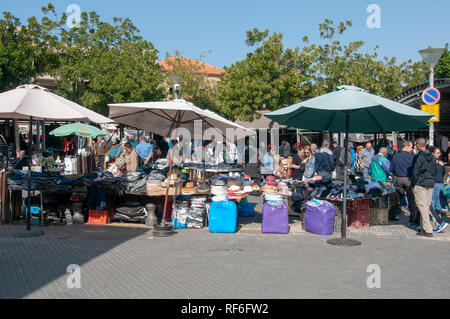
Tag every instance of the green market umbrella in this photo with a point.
(349, 109)
(78, 129)
(367, 113)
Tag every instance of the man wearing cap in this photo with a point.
(144, 150)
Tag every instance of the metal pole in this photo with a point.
(43, 136)
(30, 151)
(394, 142)
(431, 85)
(344, 209)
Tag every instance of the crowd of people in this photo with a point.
(417, 172)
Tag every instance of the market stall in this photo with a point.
(32, 102)
(350, 109)
(165, 118)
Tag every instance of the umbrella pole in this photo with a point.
(166, 229)
(30, 152)
(164, 218)
(344, 241)
(29, 233)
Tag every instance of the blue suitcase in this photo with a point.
(222, 217)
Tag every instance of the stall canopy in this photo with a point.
(350, 109)
(35, 101)
(78, 129)
(163, 117)
(367, 113)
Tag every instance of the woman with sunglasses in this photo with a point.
(310, 165)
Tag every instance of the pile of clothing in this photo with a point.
(79, 193)
(196, 213)
(131, 212)
(180, 213)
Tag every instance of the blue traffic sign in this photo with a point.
(431, 96)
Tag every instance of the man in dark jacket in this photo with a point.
(324, 161)
(401, 168)
(423, 177)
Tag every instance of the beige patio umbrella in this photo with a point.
(163, 118)
(39, 103)
(33, 102)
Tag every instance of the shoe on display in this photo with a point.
(441, 227)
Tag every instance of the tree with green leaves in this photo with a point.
(336, 64)
(268, 78)
(273, 77)
(443, 66)
(99, 62)
(22, 55)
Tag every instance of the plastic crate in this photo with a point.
(98, 217)
(337, 221)
(358, 213)
(379, 216)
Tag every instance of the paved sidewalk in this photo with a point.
(126, 261)
(123, 261)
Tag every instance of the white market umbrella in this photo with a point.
(33, 102)
(164, 117)
(39, 103)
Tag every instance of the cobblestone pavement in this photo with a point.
(126, 261)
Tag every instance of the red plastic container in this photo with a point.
(358, 213)
(98, 217)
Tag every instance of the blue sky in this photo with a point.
(194, 27)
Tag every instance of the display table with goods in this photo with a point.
(216, 203)
(78, 194)
(368, 202)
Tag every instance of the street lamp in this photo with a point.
(176, 79)
(431, 58)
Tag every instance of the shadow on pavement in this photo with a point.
(28, 264)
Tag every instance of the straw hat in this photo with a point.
(255, 187)
(189, 189)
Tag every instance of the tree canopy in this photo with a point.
(272, 77)
(95, 63)
(22, 57)
(99, 62)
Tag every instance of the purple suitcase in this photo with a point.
(319, 219)
(275, 219)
